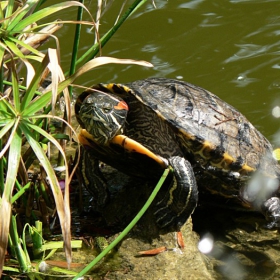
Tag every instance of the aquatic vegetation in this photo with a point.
(26, 112)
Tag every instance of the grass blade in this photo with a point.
(76, 44)
(26, 46)
(40, 14)
(5, 204)
(30, 91)
(63, 217)
(43, 100)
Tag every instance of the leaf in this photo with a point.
(3, 131)
(15, 85)
(6, 109)
(30, 91)
(43, 100)
(57, 76)
(41, 14)
(26, 46)
(16, 17)
(12, 46)
(5, 205)
(60, 204)
(102, 60)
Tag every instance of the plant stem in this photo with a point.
(76, 44)
(92, 52)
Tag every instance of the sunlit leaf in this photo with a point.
(3, 131)
(64, 218)
(57, 76)
(6, 109)
(39, 15)
(30, 91)
(5, 205)
(16, 17)
(3, 5)
(55, 69)
(45, 99)
(2, 52)
(5, 122)
(26, 46)
(102, 60)
(30, 71)
(15, 90)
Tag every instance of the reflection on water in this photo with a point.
(228, 47)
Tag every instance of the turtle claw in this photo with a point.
(271, 210)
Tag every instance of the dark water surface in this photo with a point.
(231, 48)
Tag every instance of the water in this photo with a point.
(230, 48)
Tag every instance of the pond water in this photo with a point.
(229, 47)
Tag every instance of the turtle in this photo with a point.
(208, 144)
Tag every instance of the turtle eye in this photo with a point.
(107, 108)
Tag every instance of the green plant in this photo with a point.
(19, 37)
(25, 112)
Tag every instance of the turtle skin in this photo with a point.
(206, 141)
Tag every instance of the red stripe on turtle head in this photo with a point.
(121, 106)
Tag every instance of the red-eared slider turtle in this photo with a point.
(205, 140)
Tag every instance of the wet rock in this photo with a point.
(175, 263)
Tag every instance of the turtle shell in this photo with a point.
(172, 117)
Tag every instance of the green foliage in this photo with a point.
(25, 113)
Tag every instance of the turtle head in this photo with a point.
(101, 114)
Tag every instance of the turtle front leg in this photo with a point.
(181, 198)
(92, 177)
(271, 211)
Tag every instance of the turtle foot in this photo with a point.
(181, 198)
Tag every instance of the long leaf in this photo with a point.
(2, 52)
(45, 99)
(30, 91)
(26, 46)
(17, 17)
(67, 212)
(5, 209)
(6, 109)
(12, 46)
(64, 219)
(51, 139)
(15, 87)
(3, 131)
(44, 13)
